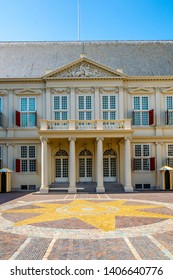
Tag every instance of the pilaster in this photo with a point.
(47, 105)
(158, 107)
(121, 103)
(72, 104)
(97, 104)
(158, 146)
(10, 156)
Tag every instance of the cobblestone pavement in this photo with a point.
(86, 226)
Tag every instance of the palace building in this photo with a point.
(95, 112)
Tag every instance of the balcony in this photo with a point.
(46, 125)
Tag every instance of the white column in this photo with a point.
(127, 164)
(44, 168)
(72, 166)
(100, 185)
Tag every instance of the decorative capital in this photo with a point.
(127, 138)
(99, 138)
(72, 139)
(43, 139)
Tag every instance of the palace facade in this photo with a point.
(94, 112)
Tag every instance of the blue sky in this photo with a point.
(57, 20)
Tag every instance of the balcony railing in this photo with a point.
(85, 124)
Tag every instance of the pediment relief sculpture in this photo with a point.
(84, 90)
(85, 70)
(109, 90)
(60, 90)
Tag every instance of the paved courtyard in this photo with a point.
(86, 226)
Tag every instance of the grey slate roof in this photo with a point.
(136, 58)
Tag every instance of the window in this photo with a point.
(170, 155)
(28, 187)
(142, 159)
(169, 110)
(85, 107)
(142, 186)
(141, 113)
(24, 187)
(109, 110)
(27, 116)
(60, 107)
(27, 161)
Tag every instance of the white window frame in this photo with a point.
(27, 160)
(109, 110)
(60, 110)
(85, 111)
(143, 186)
(27, 112)
(142, 158)
(169, 156)
(140, 110)
(170, 111)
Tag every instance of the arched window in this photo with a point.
(85, 166)
(61, 166)
(85, 153)
(62, 153)
(109, 152)
(109, 165)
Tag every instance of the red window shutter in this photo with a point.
(17, 165)
(152, 164)
(17, 118)
(151, 117)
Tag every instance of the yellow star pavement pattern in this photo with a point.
(98, 214)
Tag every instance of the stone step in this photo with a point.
(88, 187)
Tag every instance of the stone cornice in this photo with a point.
(47, 79)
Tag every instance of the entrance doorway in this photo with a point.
(3, 182)
(167, 180)
(61, 166)
(85, 166)
(109, 166)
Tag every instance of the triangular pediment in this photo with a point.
(140, 90)
(84, 68)
(168, 90)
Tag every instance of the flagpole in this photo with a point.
(78, 20)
